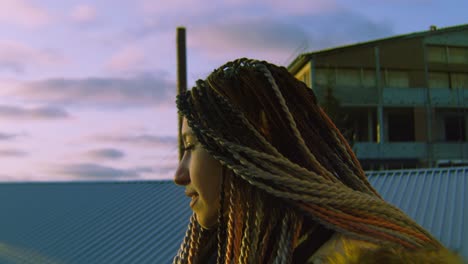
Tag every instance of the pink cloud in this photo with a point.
(23, 13)
(297, 7)
(167, 7)
(17, 57)
(12, 153)
(237, 7)
(303, 7)
(141, 140)
(129, 59)
(83, 14)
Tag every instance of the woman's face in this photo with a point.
(201, 174)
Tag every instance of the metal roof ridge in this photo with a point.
(451, 169)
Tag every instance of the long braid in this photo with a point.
(243, 172)
(284, 240)
(230, 228)
(238, 226)
(346, 149)
(194, 245)
(221, 224)
(292, 123)
(257, 224)
(324, 181)
(183, 250)
(246, 243)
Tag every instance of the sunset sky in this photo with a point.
(87, 88)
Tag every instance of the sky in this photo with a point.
(87, 88)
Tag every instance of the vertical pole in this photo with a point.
(380, 116)
(312, 75)
(430, 142)
(181, 78)
(370, 125)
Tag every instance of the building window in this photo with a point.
(348, 77)
(362, 122)
(325, 77)
(437, 54)
(400, 125)
(459, 80)
(396, 79)
(439, 80)
(368, 78)
(458, 55)
(454, 128)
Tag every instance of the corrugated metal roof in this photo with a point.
(139, 222)
(144, 222)
(435, 198)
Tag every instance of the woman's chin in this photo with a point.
(206, 223)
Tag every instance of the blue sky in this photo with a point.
(88, 87)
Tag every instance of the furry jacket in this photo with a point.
(343, 250)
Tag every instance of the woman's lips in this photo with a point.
(194, 200)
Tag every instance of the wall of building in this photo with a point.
(424, 80)
(304, 75)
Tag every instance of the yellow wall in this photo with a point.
(305, 71)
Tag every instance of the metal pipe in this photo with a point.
(181, 77)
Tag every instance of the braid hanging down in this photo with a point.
(285, 164)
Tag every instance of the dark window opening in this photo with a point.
(357, 124)
(455, 128)
(401, 126)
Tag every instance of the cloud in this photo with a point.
(170, 7)
(343, 28)
(18, 58)
(129, 59)
(83, 14)
(160, 17)
(301, 7)
(165, 170)
(107, 153)
(7, 136)
(23, 13)
(274, 30)
(139, 91)
(144, 140)
(7, 178)
(258, 36)
(22, 113)
(280, 40)
(99, 172)
(12, 153)
(198, 8)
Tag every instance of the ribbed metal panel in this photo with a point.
(139, 222)
(435, 198)
(144, 222)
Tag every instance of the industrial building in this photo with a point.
(404, 97)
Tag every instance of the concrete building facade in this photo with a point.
(405, 97)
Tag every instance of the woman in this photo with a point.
(272, 180)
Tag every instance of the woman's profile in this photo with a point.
(272, 180)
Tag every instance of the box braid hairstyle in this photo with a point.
(287, 172)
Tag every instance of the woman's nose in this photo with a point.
(182, 176)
